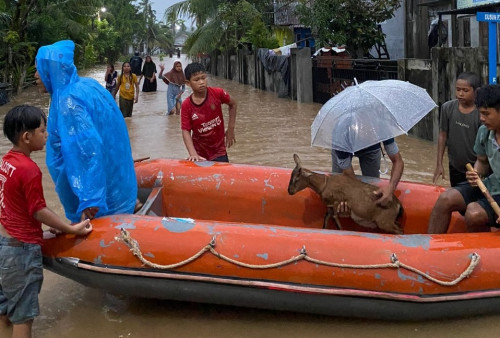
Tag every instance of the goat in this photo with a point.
(338, 188)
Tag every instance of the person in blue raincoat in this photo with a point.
(88, 148)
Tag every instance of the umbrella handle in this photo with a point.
(485, 191)
(385, 165)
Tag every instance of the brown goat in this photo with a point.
(338, 188)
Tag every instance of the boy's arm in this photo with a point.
(188, 142)
(50, 218)
(230, 136)
(482, 166)
(439, 171)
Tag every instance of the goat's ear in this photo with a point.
(296, 158)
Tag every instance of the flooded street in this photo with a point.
(269, 130)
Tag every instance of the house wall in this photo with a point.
(394, 40)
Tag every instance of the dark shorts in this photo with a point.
(21, 277)
(456, 176)
(222, 158)
(474, 194)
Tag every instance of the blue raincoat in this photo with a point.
(88, 147)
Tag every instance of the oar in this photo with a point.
(141, 159)
(485, 191)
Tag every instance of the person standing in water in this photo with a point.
(176, 82)
(128, 86)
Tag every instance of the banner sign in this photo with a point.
(474, 3)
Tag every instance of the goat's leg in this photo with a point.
(331, 213)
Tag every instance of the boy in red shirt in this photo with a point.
(202, 122)
(22, 212)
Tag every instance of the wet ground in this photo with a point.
(269, 130)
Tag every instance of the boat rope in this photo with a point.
(395, 263)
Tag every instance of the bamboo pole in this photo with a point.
(485, 191)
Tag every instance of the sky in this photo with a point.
(161, 5)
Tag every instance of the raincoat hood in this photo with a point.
(55, 65)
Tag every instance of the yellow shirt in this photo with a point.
(127, 87)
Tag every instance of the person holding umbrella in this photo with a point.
(369, 159)
(355, 121)
(468, 199)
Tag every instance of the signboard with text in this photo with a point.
(492, 19)
(474, 3)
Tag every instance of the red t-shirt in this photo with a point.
(206, 123)
(21, 195)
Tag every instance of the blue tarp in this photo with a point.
(88, 149)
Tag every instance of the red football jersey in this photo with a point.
(206, 123)
(21, 195)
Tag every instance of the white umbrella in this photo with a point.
(368, 113)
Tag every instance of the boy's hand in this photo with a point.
(383, 196)
(89, 213)
(438, 172)
(196, 158)
(83, 228)
(472, 177)
(230, 138)
(343, 209)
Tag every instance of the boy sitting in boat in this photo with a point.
(202, 122)
(467, 198)
(22, 212)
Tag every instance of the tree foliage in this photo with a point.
(353, 23)
(223, 24)
(100, 36)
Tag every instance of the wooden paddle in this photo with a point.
(141, 159)
(485, 191)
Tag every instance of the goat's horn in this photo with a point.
(296, 158)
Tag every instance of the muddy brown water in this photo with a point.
(269, 130)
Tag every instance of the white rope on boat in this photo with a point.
(126, 238)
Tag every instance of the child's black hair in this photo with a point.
(130, 79)
(21, 119)
(488, 97)
(471, 78)
(192, 69)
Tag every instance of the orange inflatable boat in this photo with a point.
(230, 234)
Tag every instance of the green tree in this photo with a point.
(221, 25)
(347, 22)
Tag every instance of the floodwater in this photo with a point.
(269, 130)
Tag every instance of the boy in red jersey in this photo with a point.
(202, 122)
(23, 210)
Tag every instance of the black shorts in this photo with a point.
(474, 194)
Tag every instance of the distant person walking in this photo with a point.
(128, 86)
(149, 73)
(176, 82)
(110, 78)
(136, 64)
